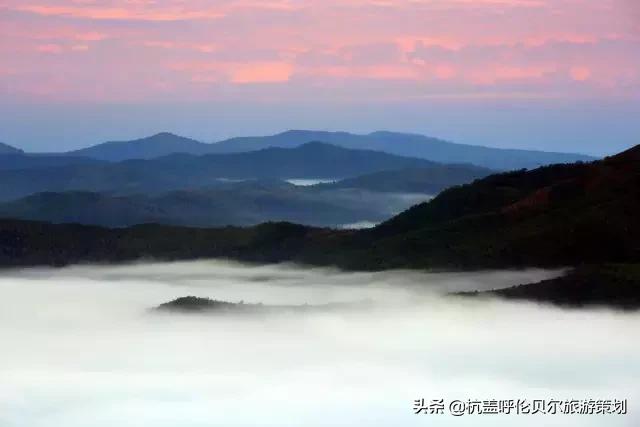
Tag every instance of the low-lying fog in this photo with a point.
(309, 182)
(80, 349)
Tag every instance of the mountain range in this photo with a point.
(582, 215)
(186, 171)
(366, 199)
(554, 216)
(239, 204)
(410, 145)
(159, 145)
(401, 144)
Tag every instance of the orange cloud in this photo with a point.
(268, 72)
(238, 73)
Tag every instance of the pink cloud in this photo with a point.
(445, 71)
(496, 73)
(580, 73)
(376, 72)
(237, 73)
(200, 47)
(408, 43)
(49, 48)
(575, 48)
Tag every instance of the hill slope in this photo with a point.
(426, 180)
(555, 215)
(616, 285)
(247, 203)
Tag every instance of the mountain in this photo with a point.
(410, 145)
(7, 149)
(614, 285)
(583, 215)
(247, 203)
(182, 171)
(192, 304)
(401, 144)
(430, 180)
(560, 215)
(28, 243)
(158, 145)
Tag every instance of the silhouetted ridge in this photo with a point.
(183, 171)
(612, 285)
(401, 144)
(410, 145)
(154, 146)
(630, 155)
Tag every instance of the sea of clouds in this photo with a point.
(80, 348)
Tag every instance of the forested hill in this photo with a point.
(183, 171)
(553, 216)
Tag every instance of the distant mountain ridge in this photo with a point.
(184, 171)
(410, 145)
(154, 146)
(402, 144)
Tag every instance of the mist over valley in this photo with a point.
(87, 346)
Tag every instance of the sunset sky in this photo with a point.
(558, 75)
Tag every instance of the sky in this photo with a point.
(560, 75)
